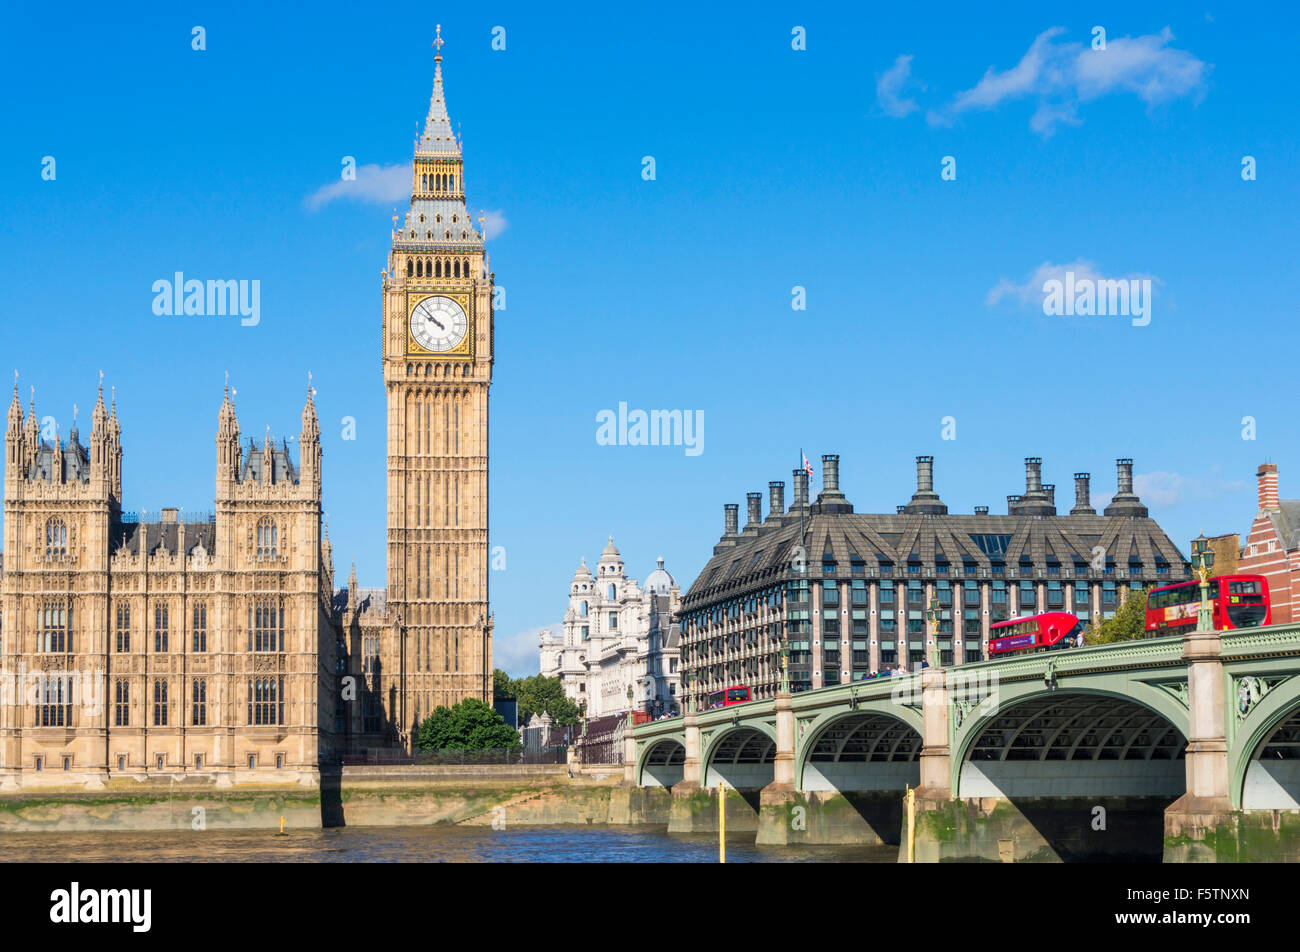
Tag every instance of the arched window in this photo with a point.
(267, 539)
(56, 539)
(437, 268)
(266, 625)
(200, 702)
(419, 268)
(612, 595)
(582, 610)
(123, 627)
(410, 267)
(451, 183)
(424, 183)
(457, 266)
(428, 265)
(160, 703)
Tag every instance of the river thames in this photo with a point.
(418, 844)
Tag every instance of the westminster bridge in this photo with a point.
(1181, 748)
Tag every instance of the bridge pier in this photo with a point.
(691, 803)
(1201, 825)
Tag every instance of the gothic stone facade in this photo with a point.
(436, 645)
(218, 647)
(167, 647)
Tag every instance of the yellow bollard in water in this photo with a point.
(911, 825)
(722, 822)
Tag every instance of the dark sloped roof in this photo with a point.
(1286, 522)
(282, 468)
(759, 556)
(74, 457)
(151, 535)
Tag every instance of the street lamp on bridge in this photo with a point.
(785, 665)
(933, 647)
(1202, 562)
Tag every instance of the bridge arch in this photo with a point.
(1264, 763)
(862, 749)
(662, 763)
(1069, 742)
(743, 755)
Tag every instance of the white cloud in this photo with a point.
(1030, 74)
(1030, 293)
(1143, 65)
(889, 87)
(494, 223)
(1166, 489)
(518, 654)
(1062, 75)
(379, 184)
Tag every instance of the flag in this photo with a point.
(807, 466)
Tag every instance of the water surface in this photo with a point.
(420, 844)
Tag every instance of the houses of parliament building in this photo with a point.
(217, 646)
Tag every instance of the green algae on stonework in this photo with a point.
(940, 824)
(13, 804)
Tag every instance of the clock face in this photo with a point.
(439, 324)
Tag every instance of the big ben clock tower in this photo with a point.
(437, 369)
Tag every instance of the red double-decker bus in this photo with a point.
(737, 694)
(1035, 633)
(1236, 601)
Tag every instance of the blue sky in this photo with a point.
(775, 168)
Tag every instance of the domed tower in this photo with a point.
(659, 582)
(582, 604)
(610, 576)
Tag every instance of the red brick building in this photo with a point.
(1272, 548)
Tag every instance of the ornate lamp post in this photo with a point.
(933, 647)
(785, 665)
(1202, 562)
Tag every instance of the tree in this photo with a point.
(541, 695)
(1129, 622)
(469, 725)
(503, 689)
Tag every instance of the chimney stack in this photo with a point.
(831, 499)
(775, 498)
(800, 489)
(925, 474)
(1124, 475)
(731, 519)
(1267, 475)
(1082, 495)
(981, 510)
(1033, 474)
(1124, 502)
(830, 473)
(925, 499)
(755, 501)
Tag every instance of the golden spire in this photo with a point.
(438, 42)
